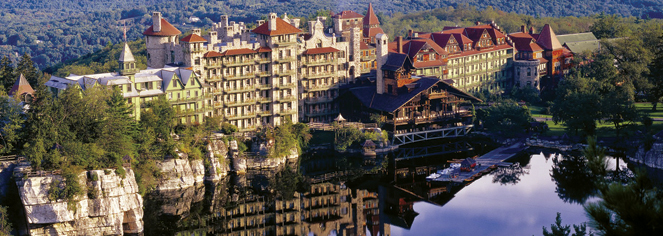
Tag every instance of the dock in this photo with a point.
(493, 158)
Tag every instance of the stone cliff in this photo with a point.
(111, 207)
(181, 173)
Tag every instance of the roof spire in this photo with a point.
(126, 55)
(370, 18)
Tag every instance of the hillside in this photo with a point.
(53, 31)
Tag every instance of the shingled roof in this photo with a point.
(282, 28)
(193, 38)
(166, 30)
(348, 15)
(126, 55)
(370, 18)
(21, 86)
(547, 39)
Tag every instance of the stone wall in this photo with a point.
(652, 158)
(115, 209)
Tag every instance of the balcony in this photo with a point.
(287, 98)
(285, 59)
(217, 104)
(368, 58)
(214, 65)
(217, 90)
(265, 100)
(320, 75)
(264, 74)
(287, 112)
(318, 100)
(264, 86)
(320, 87)
(287, 72)
(319, 62)
(241, 116)
(437, 95)
(284, 43)
(322, 112)
(242, 102)
(286, 85)
(242, 62)
(185, 100)
(240, 89)
(263, 60)
(214, 78)
(265, 113)
(241, 76)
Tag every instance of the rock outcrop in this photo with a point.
(180, 174)
(114, 206)
(217, 160)
(652, 158)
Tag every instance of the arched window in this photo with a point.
(529, 71)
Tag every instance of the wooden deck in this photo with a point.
(494, 157)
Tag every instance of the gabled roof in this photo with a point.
(348, 15)
(372, 32)
(370, 18)
(320, 50)
(547, 39)
(264, 49)
(213, 54)
(193, 38)
(363, 46)
(581, 46)
(241, 51)
(21, 86)
(126, 55)
(166, 30)
(282, 28)
(389, 103)
(395, 61)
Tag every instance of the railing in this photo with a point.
(411, 137)
(239, 62)
(215, 78)
(265, 113)
(321, 112)
(240, 89)
(317, 87)
(218, 104)
(241, 76)
(263, 60)
(217, 64)
(286, 85)
(287, 98)
(287, 112)
(367, 58)
(284, 43)
(265, 100)
(240, 103)
(241, 116)
(264, 73)
(320, 75)
(287, 72)
(318, 100)
(264, 86)
(285, 59)
(184, 100)
(319, 62)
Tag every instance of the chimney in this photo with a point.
(295, 22)
(399, 43)
(522, 28)
(415, 35)
(478, 22)
(409, 33)
(213, 37)
(260, 22)
(156, 21)
(197, 31)
(272, 21)
(531, 30)
(311, 27)
(381, 53)
(224, 20)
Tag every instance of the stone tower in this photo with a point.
(355, 48)
(381, 50)
(160, 39)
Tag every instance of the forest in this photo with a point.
(55, 31)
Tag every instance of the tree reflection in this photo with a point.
(574, 182)
(509, 175)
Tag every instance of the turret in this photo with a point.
(381, 42)
(272, 21)
(127, 63)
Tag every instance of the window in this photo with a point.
(529, 71)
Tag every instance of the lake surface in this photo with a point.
(358, 196)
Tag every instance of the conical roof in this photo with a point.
(547, 39)
(21, 86)
(370, 18)
(126, 55)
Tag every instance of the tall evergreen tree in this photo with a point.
(7, 77)
(119, 128)
(26, 67)
(655, 92)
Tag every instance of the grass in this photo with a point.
(645, 109)
(538, 111)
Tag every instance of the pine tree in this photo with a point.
(119, 128)
(7, 77)
(27, 68)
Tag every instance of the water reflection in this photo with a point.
(574, 182)
(352, 195)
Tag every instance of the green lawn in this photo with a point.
(645, 108)
(538, 111)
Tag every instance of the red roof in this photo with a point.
(371, 32)
(213, 54)
(240, 51)
(348, 15)
(193, 38)
(166, 30)
(320, 50)
(370, 18)
(548, 39)
(282, 27)
(264, 49)
(363, 46)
